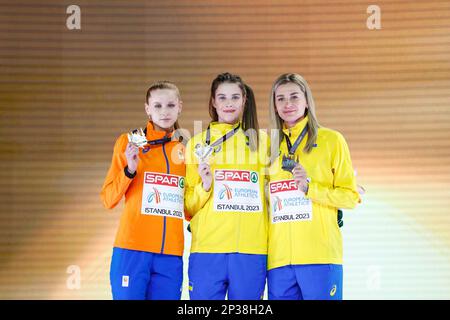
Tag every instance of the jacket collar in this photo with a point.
(221, 127)
(295, 131)
(153, 134)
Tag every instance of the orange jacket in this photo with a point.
(139, 231)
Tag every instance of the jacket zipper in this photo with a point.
(164, 226)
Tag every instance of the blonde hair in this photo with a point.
(164, 85)
(276, 123)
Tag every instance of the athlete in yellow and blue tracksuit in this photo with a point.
(229, 222)
(305, 242)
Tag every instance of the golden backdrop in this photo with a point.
(66, 95)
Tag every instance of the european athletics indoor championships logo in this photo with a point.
(156, 195)
(277, 205)
(227, 191)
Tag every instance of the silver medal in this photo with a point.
(203, 152)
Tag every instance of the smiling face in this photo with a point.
(163, 108)
(290, 103)
(228, 102)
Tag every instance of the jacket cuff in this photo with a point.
(128, 174)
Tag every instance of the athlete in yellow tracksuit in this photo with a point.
(305, 242)
(218, 224)
(229, 219)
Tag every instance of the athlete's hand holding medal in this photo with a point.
(299, 174)
(136, 140)
(203, 152)
(290, 162)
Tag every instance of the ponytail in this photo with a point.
(250, 119)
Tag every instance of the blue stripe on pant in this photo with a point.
(213, 275)
(140, 275)
(305, 282)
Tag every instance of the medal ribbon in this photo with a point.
(221, 140)
(158, 141)
(293, 148)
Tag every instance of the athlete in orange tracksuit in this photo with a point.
(147, 256)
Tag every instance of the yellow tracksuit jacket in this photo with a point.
(232, 215)
(316, 240)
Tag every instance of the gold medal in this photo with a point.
(137, 138)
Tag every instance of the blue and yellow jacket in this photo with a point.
(332, 186)
(232, 215)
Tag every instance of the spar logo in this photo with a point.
(236, 176)
(232, 175)
(281, 186)
(164, 179)
(226, 191)
(155, 195)
(277, 206)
